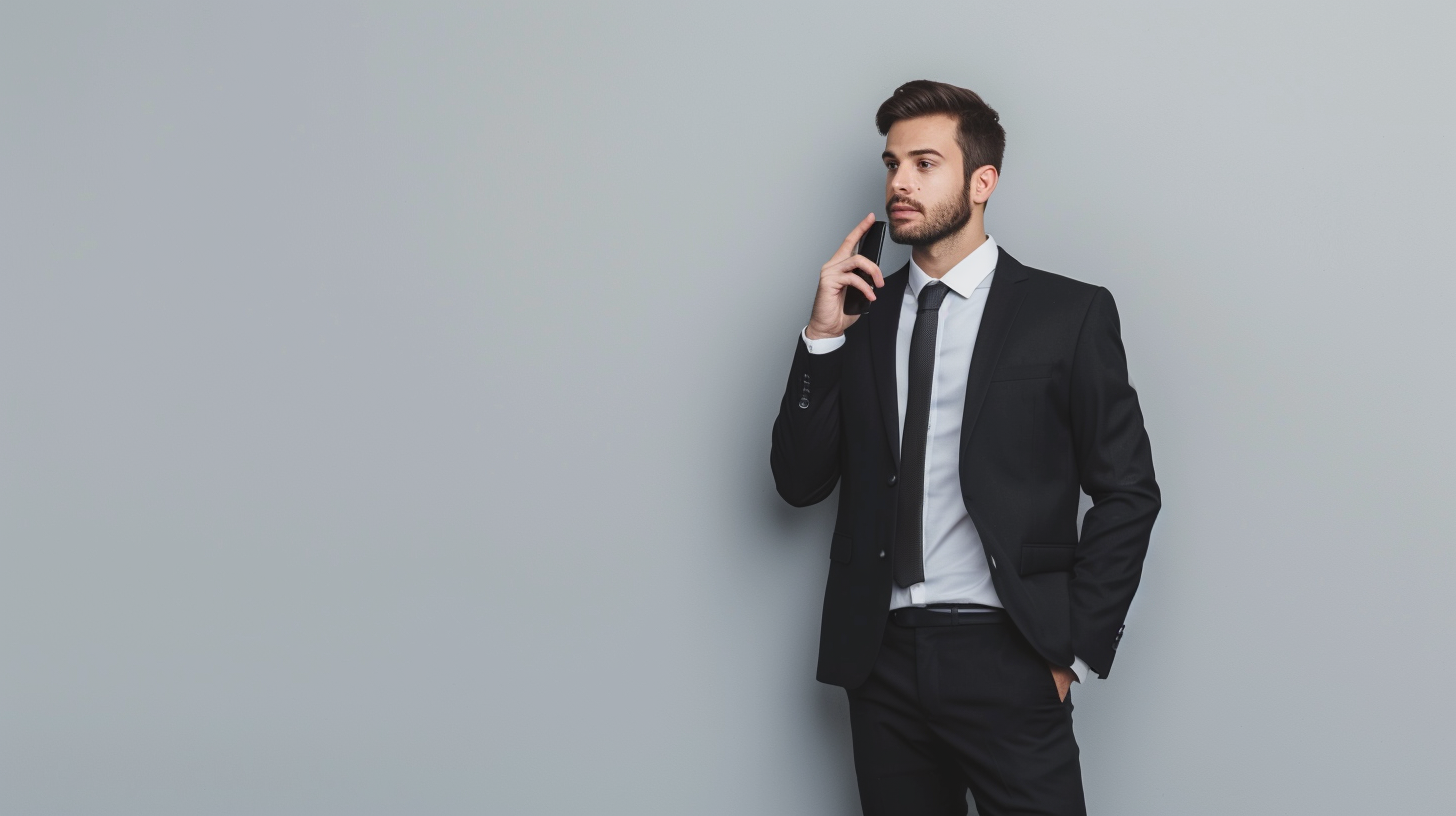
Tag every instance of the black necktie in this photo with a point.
(909, 527)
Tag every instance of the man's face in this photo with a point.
(927, 194)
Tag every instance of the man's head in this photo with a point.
(943, 148)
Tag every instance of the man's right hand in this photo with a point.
(828, 318)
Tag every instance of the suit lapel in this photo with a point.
(884, 317)
(1002, 302)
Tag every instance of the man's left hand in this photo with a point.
(1064, 677)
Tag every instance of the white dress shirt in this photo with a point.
(956, 570)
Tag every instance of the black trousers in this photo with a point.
(951, 708)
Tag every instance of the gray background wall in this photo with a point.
(387, 388)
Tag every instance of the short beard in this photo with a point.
(939, 223)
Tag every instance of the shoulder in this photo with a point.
(1014, 269)
(1050, 287)
(1061, 283)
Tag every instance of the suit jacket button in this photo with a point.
(803, 403)
(891, 481)
(882, 553)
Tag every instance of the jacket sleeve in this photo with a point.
(804, 454)
(1115, 468)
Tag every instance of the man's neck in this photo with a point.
(941, 257)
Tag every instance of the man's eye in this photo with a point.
(925, 164)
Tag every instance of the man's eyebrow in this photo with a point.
(925, 151)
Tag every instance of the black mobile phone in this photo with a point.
(869, 246)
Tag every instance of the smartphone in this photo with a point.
(869, 246)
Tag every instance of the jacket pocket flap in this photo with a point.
(841, 549)
(1037, 558)
(1023, 372)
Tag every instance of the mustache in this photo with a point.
(906, 201)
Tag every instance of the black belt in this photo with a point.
(946, 615)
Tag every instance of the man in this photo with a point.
(961, 418)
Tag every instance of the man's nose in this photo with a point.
(901, 181)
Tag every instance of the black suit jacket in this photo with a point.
(1049, 413)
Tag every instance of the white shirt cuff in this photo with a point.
(822, 346)
(1081, 669)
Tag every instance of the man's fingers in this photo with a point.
(846, 249)
(843, 280)
(861, 262)
(1062, 677)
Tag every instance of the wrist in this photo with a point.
(813, 334)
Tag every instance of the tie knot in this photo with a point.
(932, 295)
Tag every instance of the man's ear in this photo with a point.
(983, 183)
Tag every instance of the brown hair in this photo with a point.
(979, 132)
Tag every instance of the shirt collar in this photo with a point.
(973, 272)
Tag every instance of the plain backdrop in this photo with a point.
(385, 394)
